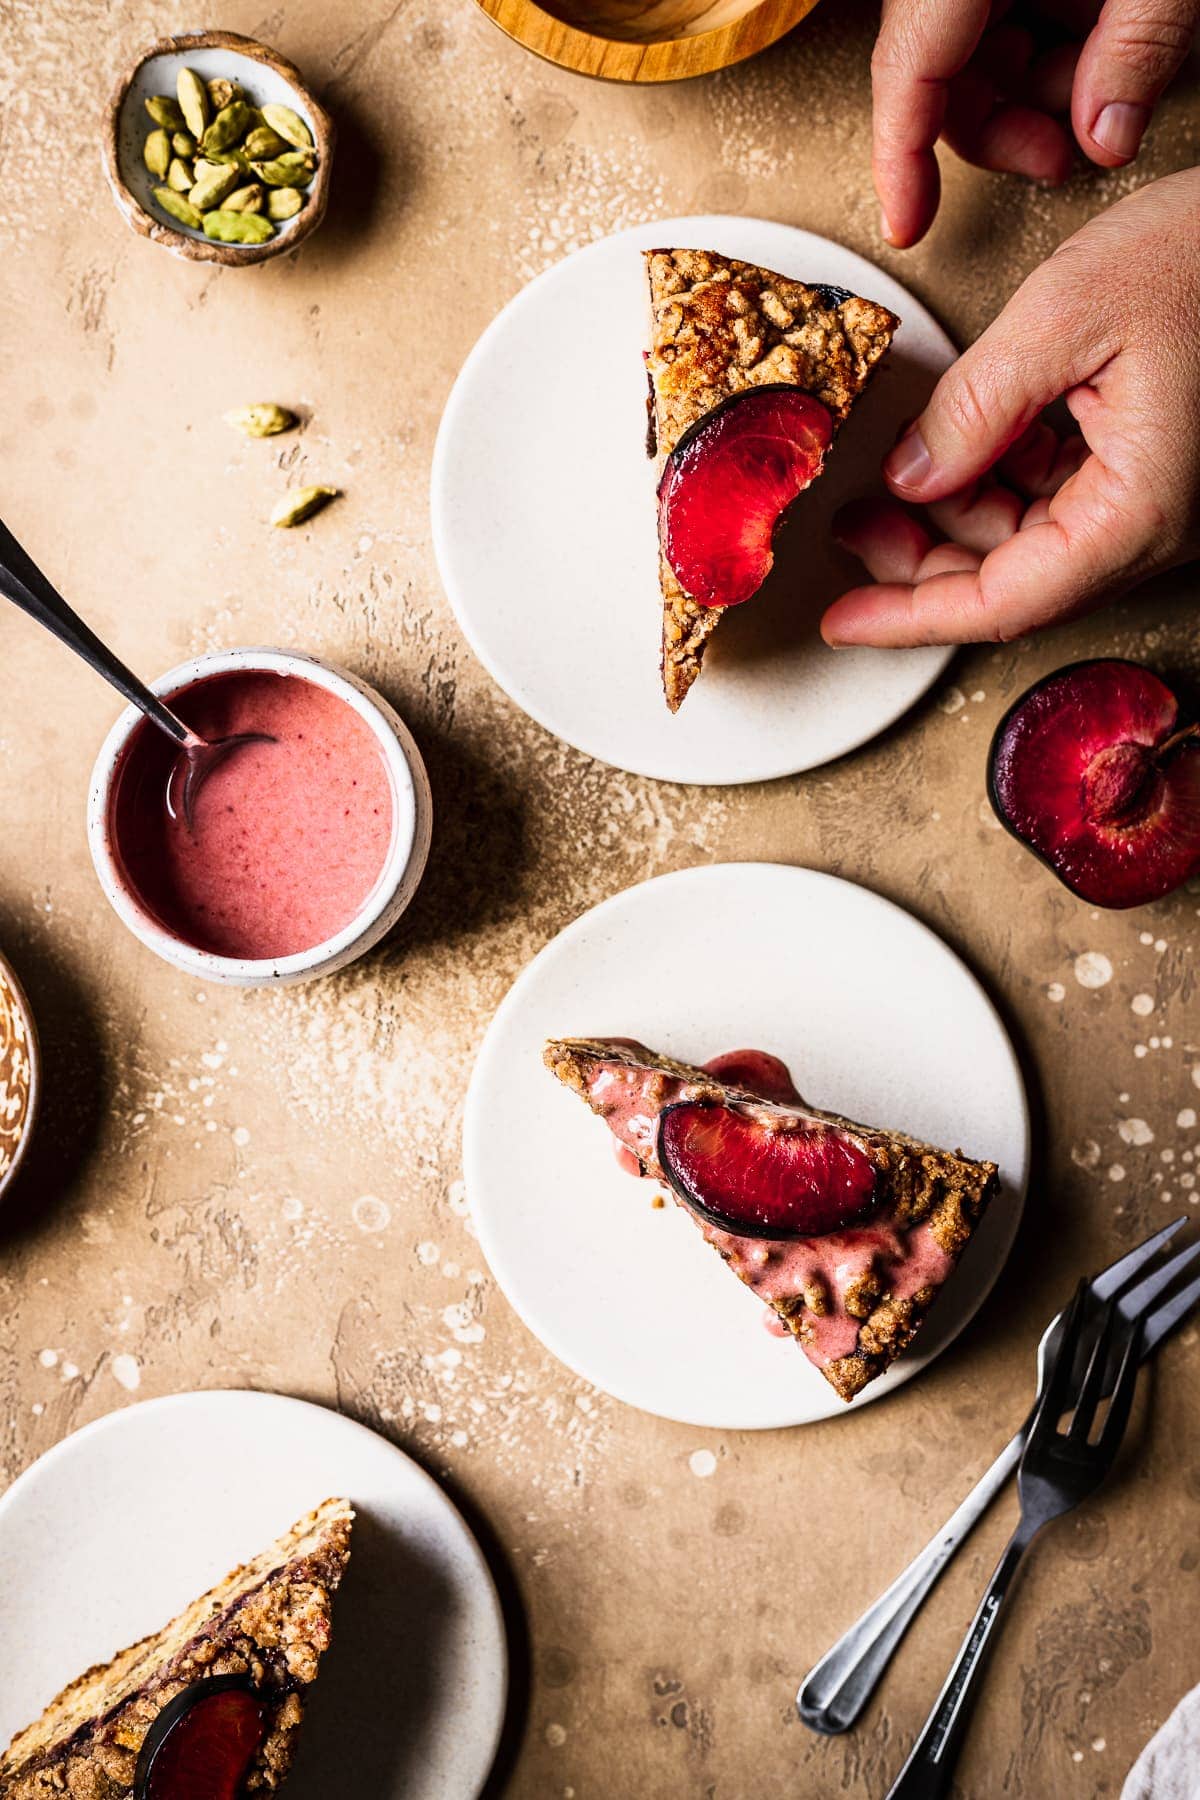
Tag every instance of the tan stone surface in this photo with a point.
(193, 1213)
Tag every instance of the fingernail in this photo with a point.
(910, 463)
(1120, 128)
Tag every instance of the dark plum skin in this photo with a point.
(201, 1745)
(762, 1170)
(1092, 771)
(728, 482)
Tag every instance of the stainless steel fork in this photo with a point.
(1062, 1463)
(837, 1688)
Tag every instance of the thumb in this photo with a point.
(1048, 339)
(1135, 49)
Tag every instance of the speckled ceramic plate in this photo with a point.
(19, 1064)
(875, 1017)
(544, 524)
(110, 1533)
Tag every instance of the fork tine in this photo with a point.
(1163, 1320)
(1088, 1397)
(1122, 1396)
(1111, 1280)
(1055, 1402)
(1137, 1302)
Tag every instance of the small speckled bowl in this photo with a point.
(266, 77)
(20, 1074)
(398, 879)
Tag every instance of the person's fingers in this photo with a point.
(1040, 461)
(947, 609)
(1135, 49)
(1049, 338)
(1012, 139)
(949, 559)
(979, 518)
(922, 45)
(1092, 542)
(1036, 514)
(887, 539)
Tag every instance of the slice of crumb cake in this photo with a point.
(268, 1623)
(892, 1215)
(720, 327)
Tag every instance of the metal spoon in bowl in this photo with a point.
(22, 582)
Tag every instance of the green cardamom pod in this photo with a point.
(264, 419)
(193, 101)
(289, 125)
(293, 170)
(221, 92)
(165, 112)
(301, 504)
(184, 144)
(238, 158)
(181, 176)
(284, 203)
(238, 227)
(179, 207)
(244, 199)
(230, 125)
(211, 188)
(262, 143)
(156, 153)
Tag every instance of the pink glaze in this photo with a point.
(287, 840)
(780, 1269)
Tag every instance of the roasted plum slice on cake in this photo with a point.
(202, 1746)
(727, 484)
(764, 1171)
(1092, 770)
(847, 1232)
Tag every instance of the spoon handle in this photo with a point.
(22, 582)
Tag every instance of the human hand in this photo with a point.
(1023, 528)
(971, 73)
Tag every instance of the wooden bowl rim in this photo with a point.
(621, 59)
(8, 979)
(147, 225)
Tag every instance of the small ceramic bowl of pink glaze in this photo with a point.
(302, 851)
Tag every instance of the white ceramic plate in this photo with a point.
(875, 1017)
(544, 524)
(114, 1530)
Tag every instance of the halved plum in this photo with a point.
(1093, 772)
(727, 484)
(762, 1171)
(203, 1742)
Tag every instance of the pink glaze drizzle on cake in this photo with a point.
(777, 1269)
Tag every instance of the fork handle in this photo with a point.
(839, 1686)
(22, 582)
(930, 1767)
